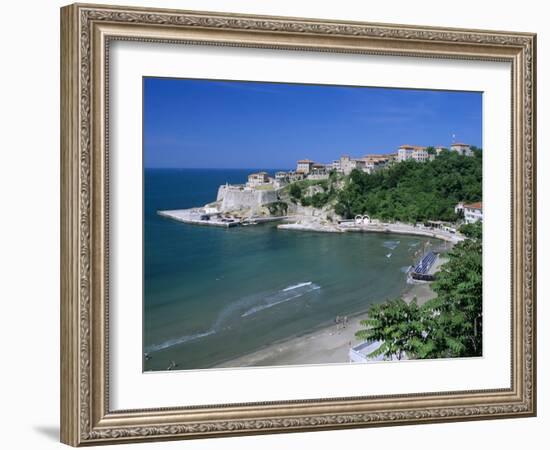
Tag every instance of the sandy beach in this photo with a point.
(327, 345)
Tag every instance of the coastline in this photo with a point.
(388, 228)
(325, 345)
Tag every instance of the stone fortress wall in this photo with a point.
(234, 198)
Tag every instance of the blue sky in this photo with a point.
(228, 124)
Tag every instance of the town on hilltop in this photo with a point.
(311, 170)
(309, 196)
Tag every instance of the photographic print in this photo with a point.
(298, 203)
(294, 224)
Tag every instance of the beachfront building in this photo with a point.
(304, 166)
(412, 152)
(462, 149)
(473, 212)
(258, 179)
(361, 353)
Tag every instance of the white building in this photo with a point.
(295, 176)
(348, 164)
(473, 212)
(374, 162)
(304, 166)
(414, 152)
(281, 179)
(360, 353)
(319, 172)
(258, 179)
(462, 149)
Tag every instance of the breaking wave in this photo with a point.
(179, 340)
(296, 286)
(283, 296)
(233, 312)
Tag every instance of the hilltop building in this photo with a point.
(347, 164)
(319, 172)
(462, 149)
(258, 179)
(304, 166)
(412, 152)
(282, 179)
(370, 163)
(374, 162)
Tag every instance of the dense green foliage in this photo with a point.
(450, 325)
(327, 192)
(396, 324)
(413, 191)
(277, 208)
(456, 327)
(295, 191)
(472, 230)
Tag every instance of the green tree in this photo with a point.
(295, 191)
(344, 207)
(455, 327)
(449, 325)
(397, 325)
(411, 191)
(472, 230)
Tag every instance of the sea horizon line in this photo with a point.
(217, 168)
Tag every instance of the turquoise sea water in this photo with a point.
(212, 294)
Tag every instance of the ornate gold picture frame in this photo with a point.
(87, 31)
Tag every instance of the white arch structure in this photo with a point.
(362, 219)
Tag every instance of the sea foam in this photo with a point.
(285, 295)
(296, 286)
(232, 311)
(179, 340)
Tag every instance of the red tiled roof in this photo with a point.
(376, 157)
(476, 205)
